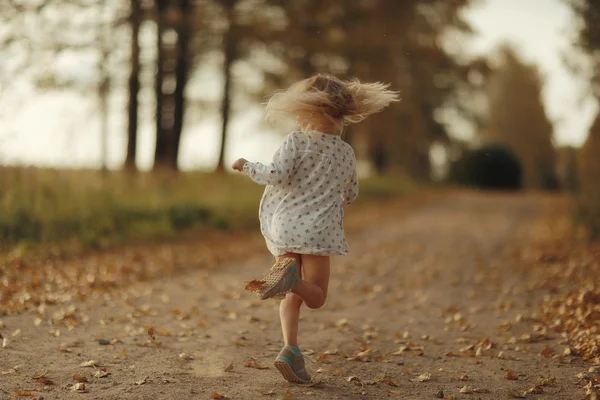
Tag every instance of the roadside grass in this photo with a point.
(89, 208)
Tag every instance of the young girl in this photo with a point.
(310, 181)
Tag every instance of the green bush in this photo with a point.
(489, 167)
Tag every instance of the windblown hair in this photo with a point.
(341, 102)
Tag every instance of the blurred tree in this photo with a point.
(589, 170)
(173, 34)
(135, 19)
(397, 42)
(567, 168)
(588, 39)
(230, 47)
(42, 34)
(517, 118)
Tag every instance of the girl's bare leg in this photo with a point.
(312, 290)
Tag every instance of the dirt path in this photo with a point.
(427, 301)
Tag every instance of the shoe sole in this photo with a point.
(269, 294)
(287, 372)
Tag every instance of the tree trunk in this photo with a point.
(134, 87)
(181, 71)
(229, 51)
(160, 151)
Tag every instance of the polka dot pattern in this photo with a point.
(310, 181)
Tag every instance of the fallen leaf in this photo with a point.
(229, 367)
(480, 390)
(8, 371)
(464, 378)
(546, 381)
(254, 364)
(424, 377)
(40, 375)
(387, 380)
(186, 356)
(151, 333)
(101, 373)
(163, 332)
(342, 322)
(535, 390)
(44, 381)
(16, 332)
(466, 389)
(79, 388)
(217, 396)
(23, 393)
(547, 352)
(4, 342)
(516, 394)
(90, 363)
(323, 358)
(142, 381)
(121, 355)
(79, 378)
(269, 393)
(337, 372)
(353, 379)
(511, 375)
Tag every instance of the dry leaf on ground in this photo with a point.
(44, 381)
(217, 396)
(254, 364)
(90, 363)
(546, 381)
(40, 375)
(536, 390)
(79, 378)
(424, 377)
(511, 375)
(21, 393)
(547, 352)
(79, 388)
(466, 389)
(101, 373)
(142, 381)
(229, 367)
(387, 380)
(516, 394)
(151, 333)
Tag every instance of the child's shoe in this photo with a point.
(282, 278)
(290, 363)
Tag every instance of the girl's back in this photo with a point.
(322, 180)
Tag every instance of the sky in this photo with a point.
(60, 130)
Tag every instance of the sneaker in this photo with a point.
(291, 366)
(280, 281)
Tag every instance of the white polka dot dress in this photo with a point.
(310, 181)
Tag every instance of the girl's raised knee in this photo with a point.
(318, 303)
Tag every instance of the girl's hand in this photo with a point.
(238, 164)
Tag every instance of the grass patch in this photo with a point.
(91, 208)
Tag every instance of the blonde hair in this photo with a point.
(323, 96)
